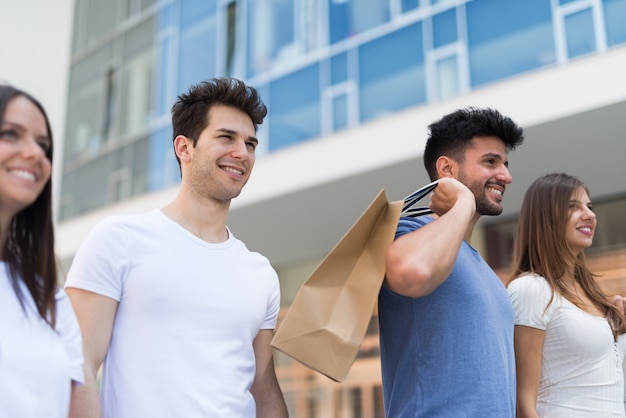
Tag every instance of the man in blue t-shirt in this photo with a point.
(446, 322)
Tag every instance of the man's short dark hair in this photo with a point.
(452, 134)
(190, 113)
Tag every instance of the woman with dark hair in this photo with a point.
(40, 343)
(569, 344)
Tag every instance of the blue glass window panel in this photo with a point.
(615, 21)
(566, 1)
(508, 37)
(340, 112)
(192, 11)
(339, 68)
(164, 19)
(197, 53)
(163, 169)
(163, 76)
(295, 108)
(408, 5)
(579, 33)
(270, 33)
(444, 28)
(448, 77)
(391, 72)
(351, 17)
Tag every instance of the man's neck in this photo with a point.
(206, 219)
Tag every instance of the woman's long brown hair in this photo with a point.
(29, 248)
(541, 247)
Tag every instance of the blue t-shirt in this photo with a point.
(449, 354)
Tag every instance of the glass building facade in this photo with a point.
(322, 67)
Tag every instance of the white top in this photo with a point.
(37, 363)
(581, 367)
(187, 316)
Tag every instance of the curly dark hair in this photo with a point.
(452, 134)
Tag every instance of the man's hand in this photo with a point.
(447, 193)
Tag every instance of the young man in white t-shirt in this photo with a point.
(179, 310)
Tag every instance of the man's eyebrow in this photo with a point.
(231, 132)
(494, 155)
(497, 156)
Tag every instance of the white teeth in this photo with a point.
(499, 192)
(585, 229)
(26, 175)
(233, 170)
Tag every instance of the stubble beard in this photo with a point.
(484, 206)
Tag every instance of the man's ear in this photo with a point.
(182, 147)
(446, 167)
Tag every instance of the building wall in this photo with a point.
(36, 39)
(350, 62)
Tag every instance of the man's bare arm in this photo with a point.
(420, 261)
(96, 315)
(270, 402)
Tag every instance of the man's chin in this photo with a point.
(491, 209)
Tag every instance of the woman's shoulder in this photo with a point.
(529, 285)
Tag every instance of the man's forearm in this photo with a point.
(85, 402)
(271, 406)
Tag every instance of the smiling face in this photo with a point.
(24, 167)
(484, 170)
(221, 162)
(581, 223)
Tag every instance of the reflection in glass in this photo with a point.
(339, 68)
(444, 28)
(137, 92)
(408, 5)
(271, 34)
(351, 17)
(197, 53)
(294, 101)
(615, 18)
(162, 169)
(518, 37)
(579, 33)
(340, 112)
(83, 122)
(447, 77)
(391, 72)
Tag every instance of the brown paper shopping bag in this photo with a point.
(327, 321)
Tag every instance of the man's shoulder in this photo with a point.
(407, 224)
(131, 219)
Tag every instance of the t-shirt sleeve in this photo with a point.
(101, 261)
(406, 225)
(530, 296)
(68, 329)
(273, 307)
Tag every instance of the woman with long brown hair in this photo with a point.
(569, 344)
(40, 344)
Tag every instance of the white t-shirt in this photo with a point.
(187, 316)
(37, 363)
(581, 369)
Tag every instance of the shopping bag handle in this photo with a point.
(409, 209)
